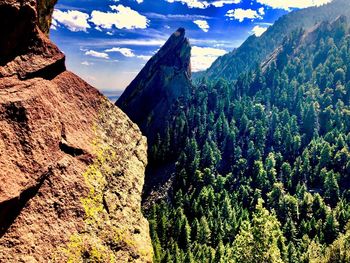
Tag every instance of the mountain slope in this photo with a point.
(262, 166)
(71, 163)
(255, 50)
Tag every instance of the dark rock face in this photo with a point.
(45, 10)
(164, 79)
(24, 50)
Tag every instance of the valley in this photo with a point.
(253, 167)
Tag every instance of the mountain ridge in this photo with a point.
(257, 49)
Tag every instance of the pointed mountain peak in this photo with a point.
(175, 52)
(180, 31)
(165, 78)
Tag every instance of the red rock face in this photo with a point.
(41, 185)
(71, 163)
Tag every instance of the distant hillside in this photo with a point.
(256, 49)
(113, 98)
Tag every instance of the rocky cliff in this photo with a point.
(164, 79)
(71, 163)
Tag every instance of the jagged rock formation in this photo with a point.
(153, 96)
(164, 79)
(71, 163)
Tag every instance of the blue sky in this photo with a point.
(107, 42)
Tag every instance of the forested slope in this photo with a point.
(262, 163)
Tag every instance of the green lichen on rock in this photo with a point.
(106, 238)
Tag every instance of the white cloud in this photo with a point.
(205, 4)
(54, 24)
(241, 14)
(96, 54)
(146, 58)
(72, 19)
(127, 52)
(86, 63)
(102, 43)
(261, 11)
(259, 30)
(124, 17)
(221, 3)
(288, 4)
(202, 24)
(203, 57)
(192, 3)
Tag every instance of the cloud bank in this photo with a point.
(124, 17)
(74, 20)
(203, 57)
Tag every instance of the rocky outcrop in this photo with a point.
(164, 79)
(71, 163)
